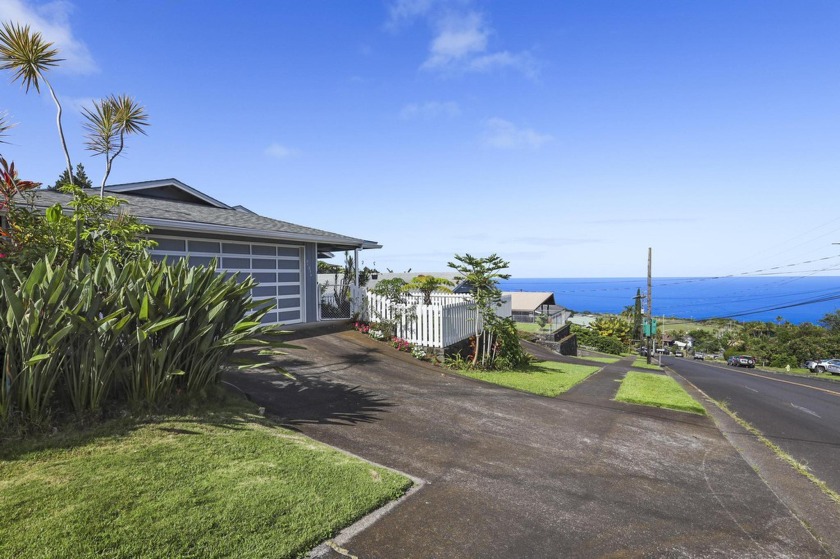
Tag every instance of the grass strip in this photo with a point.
(607, 360)
(641, 362)
(532, 328)
(545, 378)
(658, 391)
(225, 483)
(793, 462)
(799, 372)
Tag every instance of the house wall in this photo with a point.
(285, 271)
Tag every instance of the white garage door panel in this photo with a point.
(277, 268)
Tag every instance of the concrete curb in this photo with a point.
(335, 544)
(818, 514)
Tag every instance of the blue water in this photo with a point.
(795, 299)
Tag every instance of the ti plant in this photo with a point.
(29, 56)
(107, 125)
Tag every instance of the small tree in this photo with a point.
(428, 285)
(28, 55)
(394, 290)
(108, 124)
(831, 321)
(80, 178)
(482, 275)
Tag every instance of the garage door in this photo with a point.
(277, 268)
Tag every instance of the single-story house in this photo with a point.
(187, 223)
(526, 305)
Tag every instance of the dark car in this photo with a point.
(741, 361)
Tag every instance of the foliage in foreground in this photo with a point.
(74, 338)
(224, 483)
(545, 378)
(659, 391)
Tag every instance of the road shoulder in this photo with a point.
(817, 512)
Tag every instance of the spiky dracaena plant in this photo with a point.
(29, 56)
(5, 125)
(107, 125)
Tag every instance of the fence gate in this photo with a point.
(336, 301)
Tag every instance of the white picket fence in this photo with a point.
(450, 318)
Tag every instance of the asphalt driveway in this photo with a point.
(514, 475)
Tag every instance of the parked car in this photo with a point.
(643, 351)
(741, 361)
(700, 356)
(828, 366)
(678, 354)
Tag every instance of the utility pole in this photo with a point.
(649, 307)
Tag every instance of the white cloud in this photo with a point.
(52, 21)
(430, 109)
(405, 10)
(461, 39)
(279, 151)
(502, 134)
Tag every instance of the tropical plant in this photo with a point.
(482, 276)
(427, 285)
(613, 327)
(29, 56)
(94, 226)
(108, 124)
(75, 336)
(393, 290)
(5, 125)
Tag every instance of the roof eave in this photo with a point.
(191, 226)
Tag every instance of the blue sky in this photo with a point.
(568, 137)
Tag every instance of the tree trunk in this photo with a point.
(109, 161)
(60, 129)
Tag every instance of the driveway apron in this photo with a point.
(513, 475)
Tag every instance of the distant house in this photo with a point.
(186, 223)
(526, 306)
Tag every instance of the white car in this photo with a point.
(828, 366)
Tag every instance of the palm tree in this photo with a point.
(107, 125)
(28, 55)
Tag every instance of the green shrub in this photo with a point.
(590, 338)
(75, 336)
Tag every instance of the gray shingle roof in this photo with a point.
(182, 216)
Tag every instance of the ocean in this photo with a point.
(794, 299)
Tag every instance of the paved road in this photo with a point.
(513, 475)
(801, 415)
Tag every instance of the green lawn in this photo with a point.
(641, 362)
(607, 360)
(222, 484)
(546, 378)
(532, 328)
(658, 391)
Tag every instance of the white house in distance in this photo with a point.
(187, 223)
(527, 305)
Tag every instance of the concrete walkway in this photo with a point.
(515, 475)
